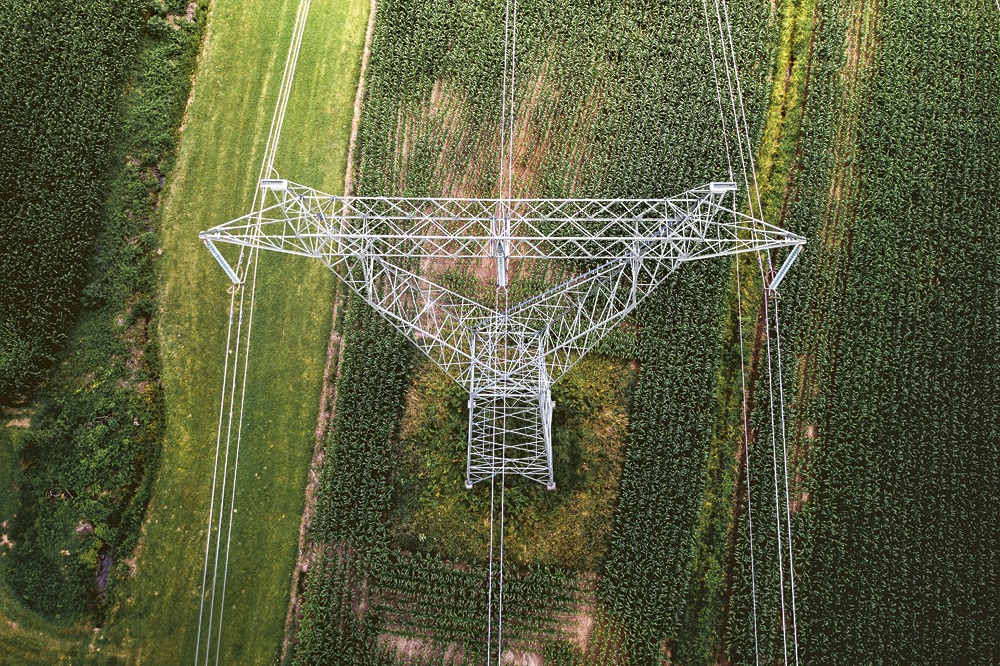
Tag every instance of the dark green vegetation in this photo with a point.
(87, 463)
(594, 119)
(60, 119)
(889, 330)
(742, 359)
(891, 323)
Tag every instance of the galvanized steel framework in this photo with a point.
(385, 249)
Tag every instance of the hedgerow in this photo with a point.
(88, 461)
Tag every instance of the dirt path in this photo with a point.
(788, 108)
(308, 549)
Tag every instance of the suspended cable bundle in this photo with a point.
(723, 37)
(234, 381)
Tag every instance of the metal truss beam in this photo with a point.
(617, 250)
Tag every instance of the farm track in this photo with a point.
(778, 165)
(815, 367)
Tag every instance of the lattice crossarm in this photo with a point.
(435, 318)
(269, 229)
(583, 310)
(302, 220)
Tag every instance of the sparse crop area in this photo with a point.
(433, 512)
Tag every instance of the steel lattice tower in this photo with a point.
(617, 251)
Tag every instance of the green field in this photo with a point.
(155, 619)
(874, 127)
(593, 120)
(892, 308)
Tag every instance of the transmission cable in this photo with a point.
(266, 167)
(744, 142)
(215, 475)
(788, 521)
(743, 380)
(499, 417)
(791, 569)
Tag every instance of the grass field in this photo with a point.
(156, 617)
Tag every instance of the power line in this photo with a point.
(788, 516)
(215, 475)
(732, 75)
(237, 313)
(225, 473)
(694, 211)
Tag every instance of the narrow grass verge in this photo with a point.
(221, 151)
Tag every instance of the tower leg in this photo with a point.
(510, 434)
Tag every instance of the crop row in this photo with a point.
(60, 97)
(896, 425)
(612, 101)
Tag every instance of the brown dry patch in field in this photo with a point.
(583, 627)
(20, 417)
(526, 147)
(521, 658)
(354, 572)
(468, 164)
(408, 649)
(578, 627)
(860, 43)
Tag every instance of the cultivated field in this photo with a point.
(697, 520)
(593, 119)
(863, 331)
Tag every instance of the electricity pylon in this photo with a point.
(390, 252)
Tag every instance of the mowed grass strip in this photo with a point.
(221, 152)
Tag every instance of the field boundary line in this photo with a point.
(359, 100)
(328, 394)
